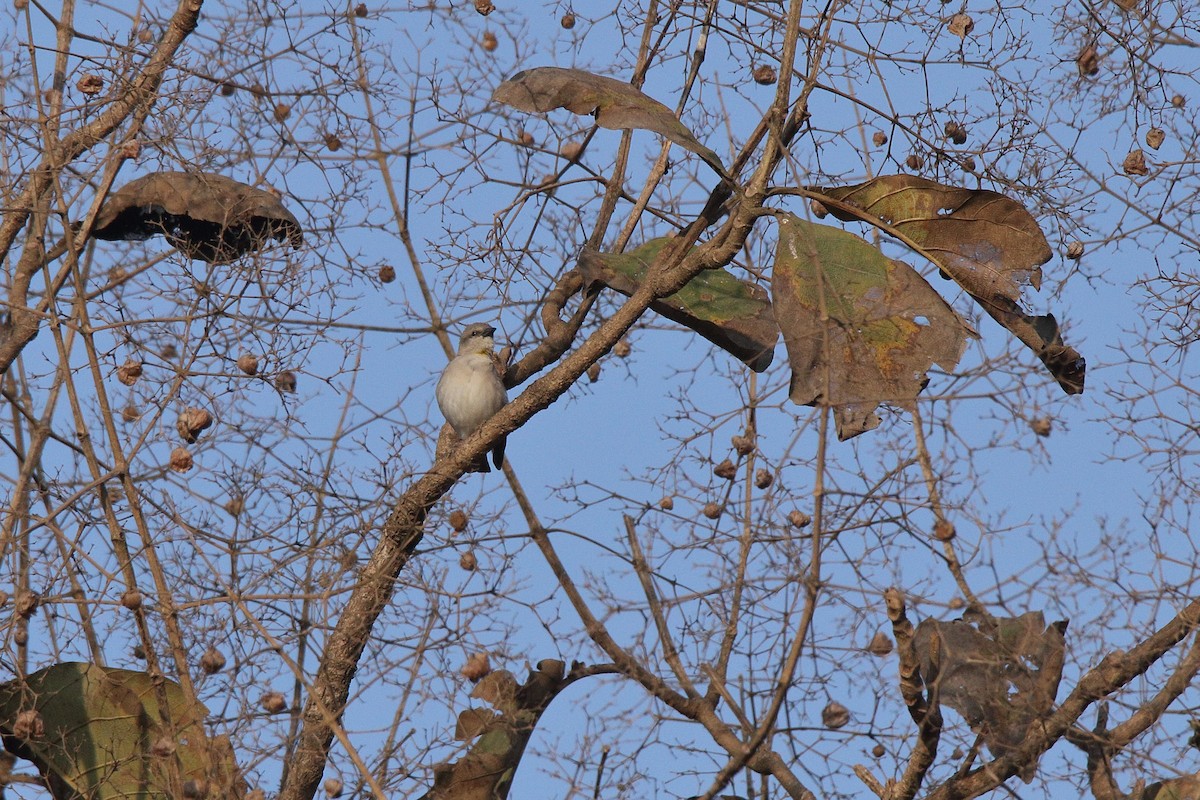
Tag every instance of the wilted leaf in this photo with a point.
(206, 216)
(733, 314)
(485, 772)
(100, 729)
(990, 245)
(1186, 788)
(860, 328)
(1000, 676)
(617, 105)
(472, 722)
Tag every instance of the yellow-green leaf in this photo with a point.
(102, 734)
(731, 313)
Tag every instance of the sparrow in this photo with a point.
(470, 390)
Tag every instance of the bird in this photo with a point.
(470, 390)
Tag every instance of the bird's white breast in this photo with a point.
(470, 392)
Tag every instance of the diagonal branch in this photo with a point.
(1113, 672)
(137, 100)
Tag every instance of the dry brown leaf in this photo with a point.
(617, 105)
(208, 217)
(1000, 676)
(989, 244)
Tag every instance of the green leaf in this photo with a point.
(97, 728)
(617, 105)
(989, 244)
(860, 328)
(733, 314)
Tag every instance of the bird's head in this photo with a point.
(477, 338)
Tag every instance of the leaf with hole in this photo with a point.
(860, 328)
(989, 244)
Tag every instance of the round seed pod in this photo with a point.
(765, 75)
(213, 661)
(1088, 61)
(29, 725)
(571, 150)
(27, 603)
(477, 667)
(835, 715)
(286, 381)
(129, 372)
(248, 363)
(273, 702)
(956, 132)
(880, 644)
(192, 422)
(181, 460)
(961, 25)
(90, 84)
(1135, 163)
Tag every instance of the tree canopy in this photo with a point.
(852, 407)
